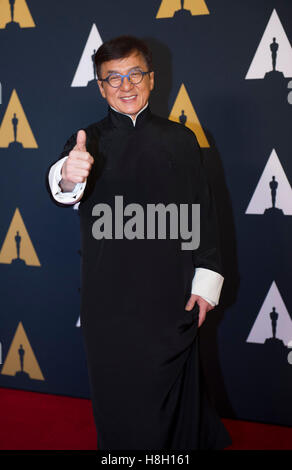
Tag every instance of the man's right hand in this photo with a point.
(78, 164)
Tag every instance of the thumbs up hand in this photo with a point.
(77, 166)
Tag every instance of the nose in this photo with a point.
(126, 84)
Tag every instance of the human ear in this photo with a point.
(151, 78)
(101, 89)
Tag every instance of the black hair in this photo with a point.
(120, 47)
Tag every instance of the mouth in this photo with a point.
(128, 99)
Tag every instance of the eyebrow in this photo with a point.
(132, 68)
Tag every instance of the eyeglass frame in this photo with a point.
(123, 76)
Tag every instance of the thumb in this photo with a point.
(191, 302)
(81, 141)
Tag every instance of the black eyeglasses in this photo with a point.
(116, 79)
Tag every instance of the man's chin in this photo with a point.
(130, 109)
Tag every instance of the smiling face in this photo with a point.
(128, 98)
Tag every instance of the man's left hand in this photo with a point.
(204, 307)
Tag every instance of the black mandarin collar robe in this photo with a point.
(141, 344)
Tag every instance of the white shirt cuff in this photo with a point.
(207, 284)
(54, 180)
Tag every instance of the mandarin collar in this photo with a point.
(124, 121)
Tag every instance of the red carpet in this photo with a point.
(38, 421)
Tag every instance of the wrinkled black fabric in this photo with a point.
(141, 344)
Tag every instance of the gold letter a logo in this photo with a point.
(183, 112)
(169, 8)
(15, 131)
(15, 14)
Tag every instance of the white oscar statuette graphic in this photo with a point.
(86, 70)
(274, 53)
(273, 322)
(273, 193)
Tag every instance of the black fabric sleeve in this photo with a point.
(207, 255)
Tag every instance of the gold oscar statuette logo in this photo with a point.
(21, 361)
(15, 131)
(184, 112)
(182, 8)
(17, 248)
(15, 14)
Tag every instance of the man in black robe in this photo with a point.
(142, 299)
